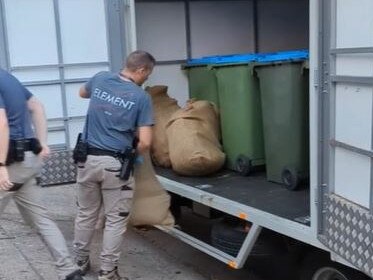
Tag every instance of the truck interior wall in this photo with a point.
(215, 28)
(219, 28)
(161, 30)
(175, 79)
(283, 25)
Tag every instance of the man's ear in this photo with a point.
(142, 70)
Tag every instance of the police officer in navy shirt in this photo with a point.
(118, 110)
(21, 153)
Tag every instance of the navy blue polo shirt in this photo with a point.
(13, 98)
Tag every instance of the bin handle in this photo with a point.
(305, 65)
(253, 72)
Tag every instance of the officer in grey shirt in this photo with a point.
(118, 110)
(21, 157)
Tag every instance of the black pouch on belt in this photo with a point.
(80, 152)
(127, 159)
(11, 153)
(35, 146)
(19, 150)
(16, 151)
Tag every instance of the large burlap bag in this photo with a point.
(151, 203)
(163, 106)
(193, 138)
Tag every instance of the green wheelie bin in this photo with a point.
(284, 81)
(240, 113)
(202, 80)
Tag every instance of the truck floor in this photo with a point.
(254, 191)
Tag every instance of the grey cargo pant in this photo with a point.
(29, 202)
(98, 185)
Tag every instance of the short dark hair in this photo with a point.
(139, 59)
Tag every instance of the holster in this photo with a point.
(127, 159)
(80, 151)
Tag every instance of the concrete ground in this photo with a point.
(151, 255)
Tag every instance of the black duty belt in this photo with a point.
(101, 152)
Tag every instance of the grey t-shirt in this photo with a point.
(13, 98)
(116, 109)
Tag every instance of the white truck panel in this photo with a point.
(57, 138)
(352, 176)
(353, 101)
(29, 39)
(354, 115)
(77, 18)
(76, 106)
(50, 96)
(35, 75)
(55, 43)
(354, 23)
(78, 72)
(355, 65)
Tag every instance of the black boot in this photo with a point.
(76, 275)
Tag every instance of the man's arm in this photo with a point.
(4, 135)
(5, 184)
(40, 123)
(145, 139)
(145, 123)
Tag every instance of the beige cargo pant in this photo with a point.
(98, 185)
(29, 202)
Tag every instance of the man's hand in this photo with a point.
(45, 151)
(83, 92)
(5, 184)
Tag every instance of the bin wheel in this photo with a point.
(318, 266)
(243, 165)
(290, 178)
